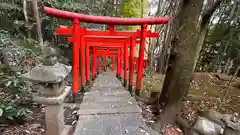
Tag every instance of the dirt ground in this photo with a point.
(206, 89)
(216, 93)
(36, 125)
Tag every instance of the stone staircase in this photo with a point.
(109, 109)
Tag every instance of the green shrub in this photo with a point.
(12, 114)
(15, 96)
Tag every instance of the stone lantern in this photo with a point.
(51, 92)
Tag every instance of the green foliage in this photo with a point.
(10, 6)
(13, 90)
(31, 45)
(133, 8)
(223, 39)
(18, 49)
(71, 5)
(11, 14)
(10, 113)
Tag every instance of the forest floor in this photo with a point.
(207, 92)
(36, 125)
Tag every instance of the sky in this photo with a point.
(153, 9)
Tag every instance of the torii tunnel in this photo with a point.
(117, 44)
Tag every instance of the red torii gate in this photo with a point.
(66, 30)
(117, 45)
(108, 53)
(109, 44)
(95, 51)
(124, 40)
(98, 39)
(76, 18)
(107, 47)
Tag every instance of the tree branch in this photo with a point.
(209, 12)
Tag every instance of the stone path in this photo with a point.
(109, 109)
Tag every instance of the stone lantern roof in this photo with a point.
(48, 74)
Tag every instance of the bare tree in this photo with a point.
(168, 9)
(26, 15)
(38, 22)
(184, 55)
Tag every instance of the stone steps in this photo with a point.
(109, 109)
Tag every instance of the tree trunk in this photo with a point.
(38, 22)
(167, 42)
(229, 131)
(182, 60)
(164, 54)
(168, 38)
(150, 55)
(26, 16)
(157, 69)
(142, 6)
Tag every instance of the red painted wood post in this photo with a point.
(111, 28)
(105, 62)
(133, 60)
(94, 63)
(131, 64)
(113, 60)
(82, 60)
(136, 64)
(99, 64)
(75, 48)
(87, 65)
(140, 60)
(120, 64)
(125, 65)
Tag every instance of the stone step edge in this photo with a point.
(99, 114)
(66, 130)
(108, 111)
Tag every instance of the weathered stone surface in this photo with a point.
(52, 89)
(54, 119)
(55, 100)
(116, 124)
(131, 109)
(108, 109)
(107, 105)
(66, 130)
(106, 88)
(107, 93)
(107, 99)
(51, 93)
(49, 55)
(48, 74)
